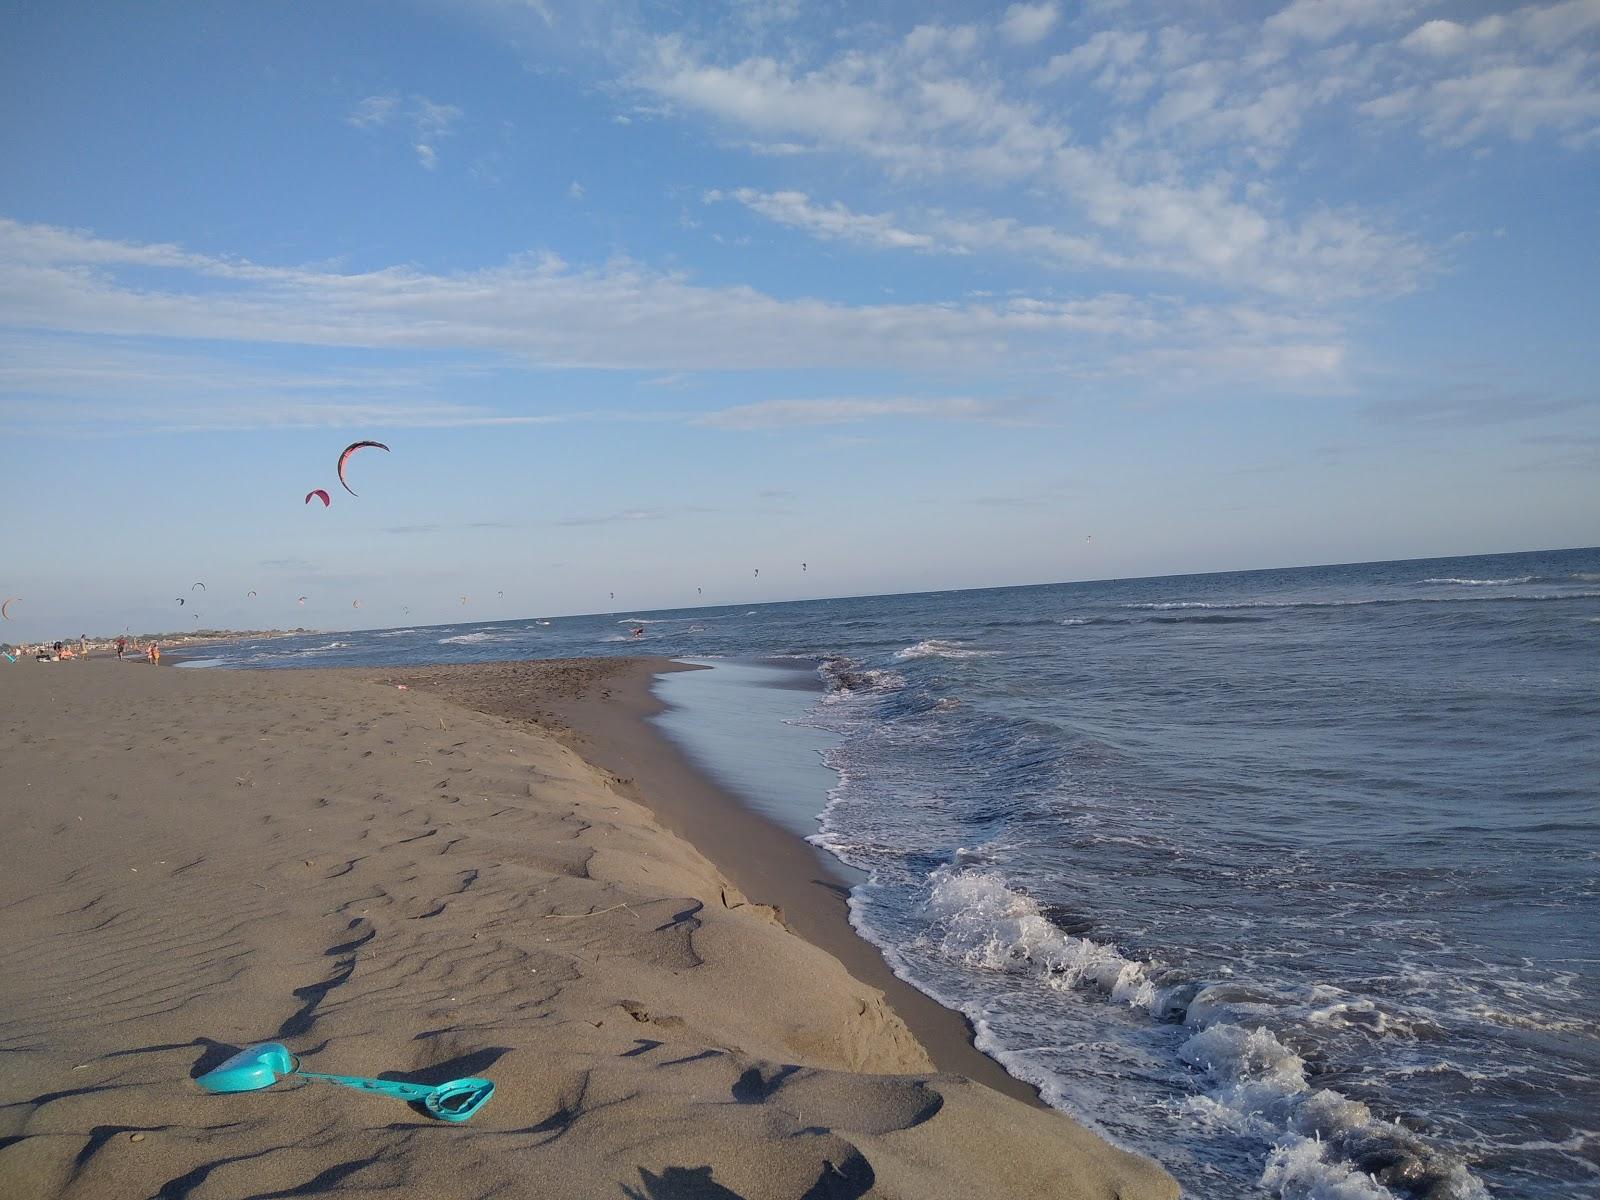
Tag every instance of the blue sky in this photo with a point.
(644, 298)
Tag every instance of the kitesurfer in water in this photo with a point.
(638, 631)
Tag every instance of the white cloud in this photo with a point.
(1514, 99)
(1109, 51)
(1323, 20)
(1025, 24)
(774, 414)
(1010, 236)
(575, 190)
(372, 112)
(617, 518)
(832, 222)
(922, 121)
(931, 41)
(1517, 74)
(429, 121)
(539, 311)
(1437, 37)
(759, 93)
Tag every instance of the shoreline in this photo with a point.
(609, 726)
(390, 883)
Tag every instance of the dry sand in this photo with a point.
(391, 883)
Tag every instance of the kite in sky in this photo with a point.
(345, 458)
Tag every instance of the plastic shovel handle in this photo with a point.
(386, 1087)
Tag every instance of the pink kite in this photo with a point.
(345, 457)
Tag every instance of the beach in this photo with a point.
(430, 873)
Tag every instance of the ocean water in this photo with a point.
(1289, 878)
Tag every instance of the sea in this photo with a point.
(1288, 878)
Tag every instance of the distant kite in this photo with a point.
(345, 457)
(502, 595)
(200, 586)
(404, 609)
(758, 572)
(5, 608)
(802, 566)
(301, 602)
(249, 594)
(319, 494)
(179, 599)
(464, 599)
(355, 604)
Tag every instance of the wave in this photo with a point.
(938, 648)
(1483, 582)
(1323, 1145)
(1575, 577)
(394, 633)
(1377, 600)
(472, 639)
(844, 677)
(1206, 619)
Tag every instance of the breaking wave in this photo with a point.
(938, 648)
(844, 677)
(1324, 1146)
(1482, 582)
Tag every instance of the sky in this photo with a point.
(645, 299)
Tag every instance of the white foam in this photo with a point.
(1378, 600)
(938, 648)
(470, 639)
(1254, 1083)
(845, 678)
(1299, 1168)
(991, 927)
(1481, 582)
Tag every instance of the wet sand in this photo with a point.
(393, 883)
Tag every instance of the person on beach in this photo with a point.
(153, 653)
(122, 645)
(83, 645)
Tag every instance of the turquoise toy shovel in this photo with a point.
(262, 1065)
